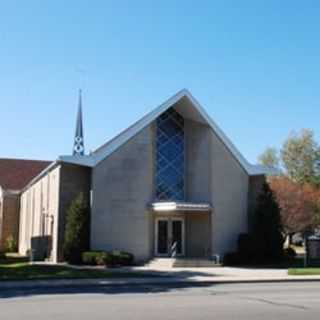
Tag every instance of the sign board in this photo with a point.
(313, 251)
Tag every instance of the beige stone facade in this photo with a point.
(119, 178)
(43, 207)
(123, 187)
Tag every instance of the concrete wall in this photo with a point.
(43, 206)
(213, 175)
(73, 181)
(198, 161)
(9, 218)
(198, 234)
(122, 187)
(255, 187)
(39, 207)
(229, 196)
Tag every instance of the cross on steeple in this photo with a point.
(78, 147)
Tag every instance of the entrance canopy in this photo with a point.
(167, 206)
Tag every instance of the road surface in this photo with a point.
(273, 301)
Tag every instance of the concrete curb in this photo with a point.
(34, 284)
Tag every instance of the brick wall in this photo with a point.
(9, 218)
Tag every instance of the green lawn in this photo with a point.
(304, 272)
(19, 269)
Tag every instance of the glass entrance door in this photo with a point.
(176, 237)
(163, 237)
(169, 237)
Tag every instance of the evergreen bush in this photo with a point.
(76, 235)
(267, 233)
(264, 243)
(11, 245)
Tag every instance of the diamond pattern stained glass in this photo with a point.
(170, 156)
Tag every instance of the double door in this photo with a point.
(169, 237)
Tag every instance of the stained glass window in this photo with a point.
(170, 156)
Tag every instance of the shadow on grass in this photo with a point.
(107, 290)
(20, 270)
(115, 289)
(45, 272)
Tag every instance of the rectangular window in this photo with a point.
(170, 156)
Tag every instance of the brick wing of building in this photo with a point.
(15, 174)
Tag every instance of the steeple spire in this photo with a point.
(78, 147)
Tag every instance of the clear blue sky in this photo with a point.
(254, 65)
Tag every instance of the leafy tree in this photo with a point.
(267, 229)
(270, 158)
(300, 155)
(299, 204)
(76, 237)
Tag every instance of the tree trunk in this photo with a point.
(290, 236)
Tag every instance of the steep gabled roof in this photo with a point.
(108, 148)
(15, 174)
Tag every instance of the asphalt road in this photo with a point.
(274, 301)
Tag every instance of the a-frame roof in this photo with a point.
(112, 145)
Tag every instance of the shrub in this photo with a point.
(90, 257)
(122, 258)
(110, 259)
(267, 236)
(264, 243)
(290, 253)
(232, 259)
(105, 259)
(76, 237)
(246, 246)
(11, 244)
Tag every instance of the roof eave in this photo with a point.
(86, 161)
(41, 174)
(104, 151)
(256, 170)
(108, 148)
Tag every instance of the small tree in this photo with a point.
(76, 236)
(300, 155)
(270, 158)
(299, 205)
(267, 228)
(11, 244)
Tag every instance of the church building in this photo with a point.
(170, 184)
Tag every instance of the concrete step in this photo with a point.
(168, 263)
(194, 263)
(160, 263)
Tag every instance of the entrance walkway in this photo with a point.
(166, 266)
(169, 263)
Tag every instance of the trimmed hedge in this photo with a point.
(90, 257)
(122, 258)
(110, 259)
(105, 259)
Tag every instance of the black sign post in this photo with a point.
(313, 251)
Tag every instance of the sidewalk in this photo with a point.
(176, 276)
